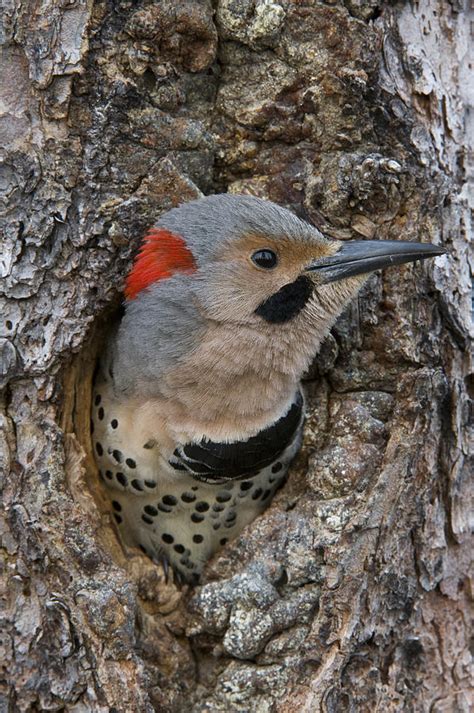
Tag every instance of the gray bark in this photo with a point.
(352, 591)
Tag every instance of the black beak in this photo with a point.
(357, 257)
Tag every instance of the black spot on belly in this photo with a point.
(116, 506)
(99, 449)
(230, 519)
(100, 414)
(216, 525)
(188, 497)
(150, 483)
(256, 494)
(223, 497)
(198, 539)
(197, 518)
(277, 467)
(169, 500)
(202, 506)
(287, 302)
(118, 519)
(114, 423)
(97, 399)
(246, 485)
(147, 519)
(163, 508)
(108, 474)
(117, 455)
(179, 549)
(266, 494)
(218, 508)
(169, 539)
(121, 479)
(224, 541)
(150, 510)
(136, 484)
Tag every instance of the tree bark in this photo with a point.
(351, 593)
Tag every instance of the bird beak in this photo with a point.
(357, 257)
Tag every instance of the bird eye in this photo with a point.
(265, 258)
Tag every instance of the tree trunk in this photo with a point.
(351, 592)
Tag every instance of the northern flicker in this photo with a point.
(197, 408)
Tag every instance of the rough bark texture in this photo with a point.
(352, 591)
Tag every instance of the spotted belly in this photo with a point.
(174, 514)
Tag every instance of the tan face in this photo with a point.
(235, 284)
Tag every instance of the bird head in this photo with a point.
(249, 261)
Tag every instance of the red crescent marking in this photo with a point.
(162, 254)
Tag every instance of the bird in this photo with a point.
(197, 404)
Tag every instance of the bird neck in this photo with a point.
(236, 381)
(219, 380)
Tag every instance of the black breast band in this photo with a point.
(213, 461)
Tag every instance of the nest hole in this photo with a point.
(77, 395)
